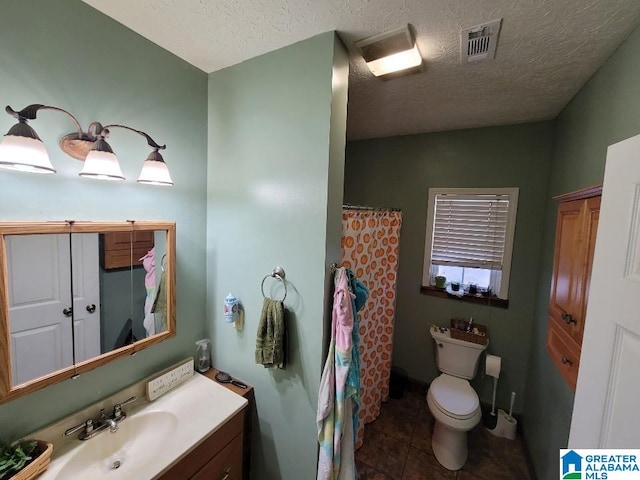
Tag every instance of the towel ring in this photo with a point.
(278, 274)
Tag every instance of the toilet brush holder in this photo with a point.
(506, 426)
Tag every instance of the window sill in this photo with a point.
(465, 297)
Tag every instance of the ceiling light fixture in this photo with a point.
(391, 52)
(21, 149)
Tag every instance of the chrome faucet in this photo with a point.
(108, 422)
(87, 426)
(113, 425)
(90, 428)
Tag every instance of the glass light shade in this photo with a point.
(155, 172)
(394, 63)
(102, 166)
(24, 154)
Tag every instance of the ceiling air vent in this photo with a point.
(479, 42)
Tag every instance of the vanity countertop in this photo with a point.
(197, 408)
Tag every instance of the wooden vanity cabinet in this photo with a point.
(576, 229)
(249, 394)
(218, 457)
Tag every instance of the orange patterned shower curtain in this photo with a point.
(370, 241)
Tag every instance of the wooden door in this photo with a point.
(605, 413)
(39, 295)
(86, 295)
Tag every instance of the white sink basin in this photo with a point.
(116, 455)
(153, 437)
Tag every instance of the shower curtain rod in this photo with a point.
(362, 207)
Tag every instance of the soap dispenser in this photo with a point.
(203, 355)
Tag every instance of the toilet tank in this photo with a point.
(456, 357)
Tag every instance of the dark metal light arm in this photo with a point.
(150, 141)
(80, 143)
(29, 113)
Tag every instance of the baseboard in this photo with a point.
(417, 386)
(527, 456)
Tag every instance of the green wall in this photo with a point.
(605, 111)
(275, 176)
(65, 53)
(397, 172)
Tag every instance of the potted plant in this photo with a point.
(455, 286)
(24, 460)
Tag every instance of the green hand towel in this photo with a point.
(270, 339)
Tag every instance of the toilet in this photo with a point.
(451, 399)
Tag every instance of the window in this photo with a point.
(470, 237)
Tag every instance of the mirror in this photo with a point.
(39, 302)
(78, 294)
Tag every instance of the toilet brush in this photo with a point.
(491, 420)
(513, 399)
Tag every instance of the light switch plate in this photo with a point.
(169, 379)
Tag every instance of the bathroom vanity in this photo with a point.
(249, 394)
(224, 459)
(194, 431)
(218, 457)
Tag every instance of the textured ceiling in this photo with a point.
(547, 50)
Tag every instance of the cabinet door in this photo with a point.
(564, 353)
(226, 465)
(592, 216)
(568, 265)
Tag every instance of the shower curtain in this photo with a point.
(370, 239)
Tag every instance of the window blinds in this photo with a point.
(470, 230)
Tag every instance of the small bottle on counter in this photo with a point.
(203, 355)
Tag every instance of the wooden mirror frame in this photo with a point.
(10, 392)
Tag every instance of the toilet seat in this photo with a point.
(454, 397)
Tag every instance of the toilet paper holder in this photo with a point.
(492, 366)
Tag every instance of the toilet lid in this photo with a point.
(454, 395)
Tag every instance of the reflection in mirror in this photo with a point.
(123, 300)
(155, 304)
(86, 295)
(116, 290)
(39, 301)
(131, 297)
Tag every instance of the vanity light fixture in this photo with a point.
(21, 149)
(391, 52)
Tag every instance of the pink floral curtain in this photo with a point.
(370, 241)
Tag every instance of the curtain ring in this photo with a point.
(278, 274)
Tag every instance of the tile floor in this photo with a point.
(397, 446)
